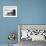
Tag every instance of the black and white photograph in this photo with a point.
(29, 34)
(9, 11)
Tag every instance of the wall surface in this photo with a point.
(29, 12)
(7, 25)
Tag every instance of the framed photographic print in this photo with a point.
(31, 32)
(9, 11)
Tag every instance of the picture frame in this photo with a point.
(39, 28)
(9, 11)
